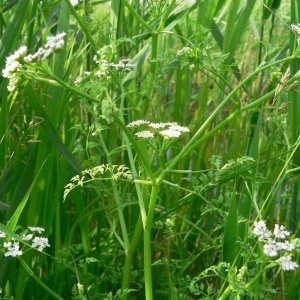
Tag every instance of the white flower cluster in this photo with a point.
(115, 172)
(275, 243)
(123, 66)
(170, 130)
(12, 66)
(14, 62)
(53, 44)
(297, 29)
(12, 248)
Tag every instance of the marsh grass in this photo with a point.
(180, 226)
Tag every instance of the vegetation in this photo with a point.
(149, 149)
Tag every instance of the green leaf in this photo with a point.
(50, 130)
(12, 223)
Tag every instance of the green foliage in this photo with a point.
(175, 126)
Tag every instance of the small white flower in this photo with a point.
(145, 134)
(2, 234)
(137, 123)
(158, 125)
(12, 67)
(271, 249)
(37, 229)
(170, 134)
(27, 237)
(280, 232)
(40, 243)
(80, 288)
(13, 249)
(13, 82)
(179, 128)
(287, 264)
(296, 28)
(286, 246)
(78, 79)
(185, 51)
(55, 42)
(123, 65)
(17, 55)
(260, 229)
(192, 67)
(74, 2)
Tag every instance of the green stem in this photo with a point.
(246, 287)
(154, 53)
(166, 15)
(129, 141)
(147, 264)
(84, 28)
(129, 255)
(147, 243)
(74, 90)
(117, 199)
(136, 15)
(151, 208)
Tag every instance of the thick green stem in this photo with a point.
(151, 208)
(143, 203)
(147, 264)
(147, 243)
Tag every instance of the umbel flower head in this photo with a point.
(53, 44)
(275, 244)
(14, 62)
(12, 248)
(12, 66)
(170, 130)
(124, 65)
(296, 28)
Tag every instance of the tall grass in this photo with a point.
(158, 218)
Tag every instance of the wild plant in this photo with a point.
(169, 143)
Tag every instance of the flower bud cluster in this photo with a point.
(170, 130)
(297, 29)
(12, 247)
(53, 44)
(186, 51)
(124, 66)
(275, 244)
(14, 64)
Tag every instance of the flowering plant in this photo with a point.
(12, 247)
(275, 243)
